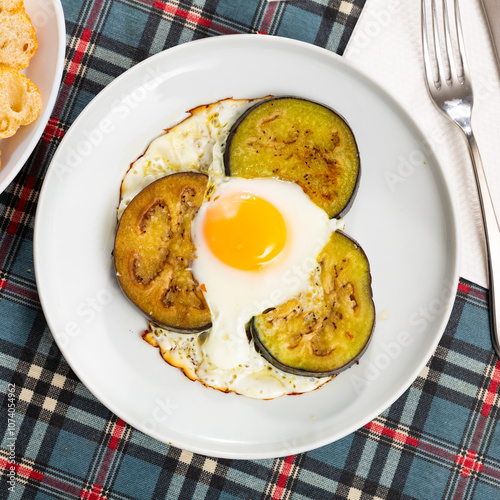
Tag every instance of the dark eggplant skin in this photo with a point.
(252, 332)
(121, 254)
(237, 123)
(296, 371)
(166, 326)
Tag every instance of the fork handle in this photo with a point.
(492, 237)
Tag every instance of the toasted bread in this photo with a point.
(11, 5)
(18, 42)
(20, 101)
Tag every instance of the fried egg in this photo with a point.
(256, 245)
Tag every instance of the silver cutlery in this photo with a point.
(449, 85)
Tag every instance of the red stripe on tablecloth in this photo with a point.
(116, 435)
(95, 494)
(469, 462)
(94, 14)
(474, 292)
(29, 473)
(19, 291)
(435, 450)
(188, 16)
(491, 393)
(401, 437)
(21, 205)
(77, 59)
(490, 471)
(220, 28)
(75, 63)
(82, 45)
(279, 489)
(52, 130)
(479, 294)
(194, 18)
(268, 17)
(60, 485)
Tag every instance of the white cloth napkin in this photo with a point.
(386, 45)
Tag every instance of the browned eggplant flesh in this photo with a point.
(153, 250)
(297, 140)
(324, 333)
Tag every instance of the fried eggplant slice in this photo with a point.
(300, 141)
(324, 335)
(153, 251)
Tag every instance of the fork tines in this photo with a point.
(444, 56)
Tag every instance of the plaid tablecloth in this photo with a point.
(440, 439)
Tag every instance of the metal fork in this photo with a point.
(450, 88)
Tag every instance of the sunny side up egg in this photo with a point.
(256, 241)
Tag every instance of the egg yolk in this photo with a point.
(244, 231)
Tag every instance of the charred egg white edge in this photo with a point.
(224, 358)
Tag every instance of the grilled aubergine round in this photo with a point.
(326, 335)
(153, 250)
(300, 141)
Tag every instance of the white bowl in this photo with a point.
(45, 70)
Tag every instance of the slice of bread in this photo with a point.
(20, 101)
(10, 5)
(18, 42)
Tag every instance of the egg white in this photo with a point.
(224, 358)
(195, 144)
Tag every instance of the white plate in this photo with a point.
(45, 70)
(409, 233)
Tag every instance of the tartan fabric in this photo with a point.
(440, 439)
